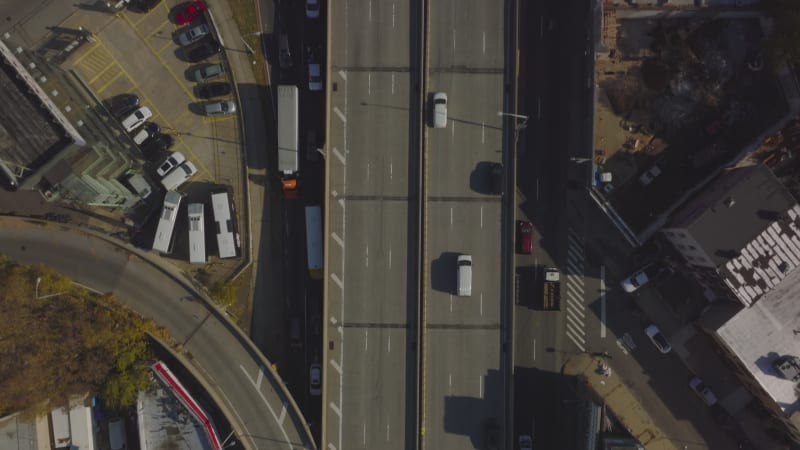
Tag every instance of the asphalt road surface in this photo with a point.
(220, 355)
(372, 296)
(464, 383)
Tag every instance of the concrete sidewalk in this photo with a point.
(612, 392)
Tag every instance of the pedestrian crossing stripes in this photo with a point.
(575, 307)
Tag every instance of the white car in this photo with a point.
(315, 379)
(220, 108)
(525, 442)
(179, 176)
(136, 118)
(312, 9)
(314, 78)
(174, 160)
(642, 277)
(658, 339)
(193, 34)
(703, 391)
(439, 110)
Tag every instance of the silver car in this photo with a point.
(220, 108)
(193, 34)
(658, 339)
(208, 72)
(703, 391)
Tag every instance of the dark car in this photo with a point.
(143, 5)
(203, 50)
(123, 104)
(156, 145)
(496, 178)
(213, 90)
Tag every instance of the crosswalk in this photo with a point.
(574, 289)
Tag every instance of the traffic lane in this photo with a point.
(376, 247)
(456, 228)
(375, 35)
(377, 156)
(466, 35)
(378, 388)
(463, 384)
(460, 155)
(150, 291)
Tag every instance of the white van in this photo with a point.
(116, 434)
(464, 276)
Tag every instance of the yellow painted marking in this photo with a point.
(101, 73)
(120, 73)
(88, 52)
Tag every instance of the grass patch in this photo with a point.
(246, 17)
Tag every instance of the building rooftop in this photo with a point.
(764, 332)
(165, 423)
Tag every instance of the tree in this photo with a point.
(783, 44)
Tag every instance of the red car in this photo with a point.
(524, 237)
(190, 12)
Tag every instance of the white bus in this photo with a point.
(226, 233)
(163, 240)
(314, 241)
(197, 234)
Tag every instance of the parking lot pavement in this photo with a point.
(137, 53)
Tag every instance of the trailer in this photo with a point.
(314, 241)
(288, 139)
(551, 289)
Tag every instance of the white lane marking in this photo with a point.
(622, 347)
(392, 83)
(481, 303)
(389, 344)
(264, 399)
(577, 279)
(370, 10)
(369, 83)
(452, 128)
(534, 349)
(365, 425)
(338, 155)
(390, 257)
(577, 313)
(335, 409)
(449, 383)
(341, 202)
(575, 324)
(393, 5)
(336, 367)
(391, 171)
(481, 216)
(366, 340)
(337, 280)
(260, 377)
(454, 38)
(480, 386)
(337, 239)
(343, 74)
(369, 166)
(451, 215)
(572, 289)
(366, 260)
(451, 302)
(577, 344)
(484, 42)
(483, 132)
(340, 114)
(576, 303)
(602, 301)
(283, 415)
(387, 425)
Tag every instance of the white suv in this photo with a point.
(136, 119)
(439, 110)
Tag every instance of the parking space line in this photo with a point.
(89, 51)
(109, 82)
(101, 73)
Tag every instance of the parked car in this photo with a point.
(190, 12)
(491, 435)
(703, 391)
(284, 54)
(193, 34)
(211, 90)
(123, 104)
(439, 110)
(136, 119)
(220, 108)
(312, 9)
(315, 379)
(496, 178)
(314, 77)
(642, 276)
(525, 442)
(178, 176)
(208, 72)
(174, 160)
(157, 145)
(149, 130)
(203, 50)
(524, 237)
(658, 339)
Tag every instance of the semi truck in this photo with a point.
(287, 139)
(551, 289)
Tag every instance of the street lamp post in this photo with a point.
(38, 280)
(518, 125)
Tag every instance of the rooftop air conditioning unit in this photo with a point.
(788, 367)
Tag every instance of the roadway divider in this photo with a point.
(422, 210)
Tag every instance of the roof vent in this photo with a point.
(729, 202)
(788, 367)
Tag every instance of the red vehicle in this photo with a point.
(190, 12)
(524, 237)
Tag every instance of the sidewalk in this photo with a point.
(614, 394)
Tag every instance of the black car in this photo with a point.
(123, 104)
(496, 178)
(203, 50)
(154, 147)
(143, 5)
(213, 90)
